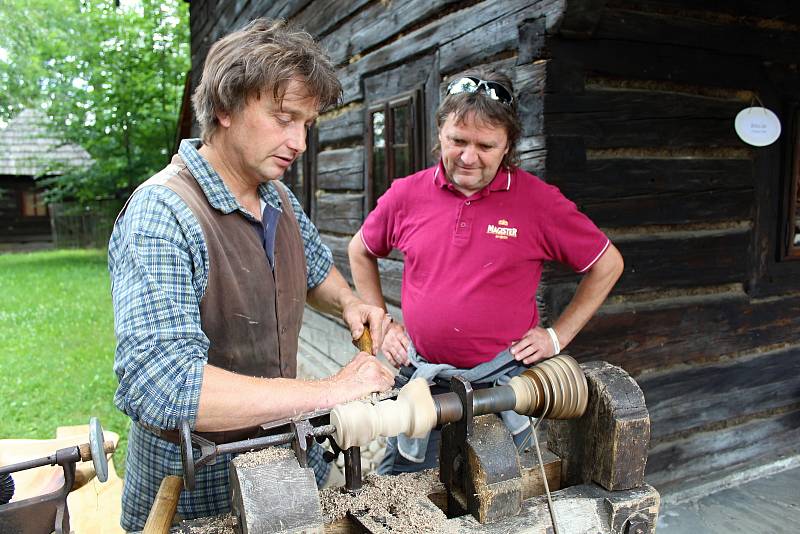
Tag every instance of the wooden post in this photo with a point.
(608, 445)
(279, 496)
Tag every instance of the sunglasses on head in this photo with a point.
(470, 84)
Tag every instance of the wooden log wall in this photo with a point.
(639, 104)
(628, 107)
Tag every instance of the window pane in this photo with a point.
(41, 207)
(402, 141)
(378, 139)
(33, 204)
(27, 204)
(378, 154)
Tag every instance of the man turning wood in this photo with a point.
(212, 261)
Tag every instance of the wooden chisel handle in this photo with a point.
(364, 343)
(159, 521)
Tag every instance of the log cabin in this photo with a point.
(29, 153)
(628, 108)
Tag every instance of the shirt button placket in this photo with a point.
(463, 225)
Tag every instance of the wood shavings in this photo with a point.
(389, 501)
(262, 457)
(218, 524)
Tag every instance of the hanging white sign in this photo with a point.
(757, 126)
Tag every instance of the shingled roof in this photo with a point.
(28, 148)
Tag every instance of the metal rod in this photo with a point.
(448, 408)
(352, 469)
(270, 441)
(28, 464)
(493, 400)
(487, 400)
(550, 506)
(254, 443)
(324, 430)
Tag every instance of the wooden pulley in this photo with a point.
(552, 389)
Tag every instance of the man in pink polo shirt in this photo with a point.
(475, 231)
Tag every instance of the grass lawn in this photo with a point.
(57, 345)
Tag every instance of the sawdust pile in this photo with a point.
(388, 500)
(262, 457)
(219, 524)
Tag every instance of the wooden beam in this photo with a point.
(361, 32)
(322, 18)
(253, 497)
(339, 213)
(729, 37)
(635, 118)
(658, 334)
(704, 207)
(608, 444)
(705, 396)
(675, 464)
(581, 18)
(654, 61)
(439, 32)
(670, 260)
(604, 179)
(345, 126)
(341, 169)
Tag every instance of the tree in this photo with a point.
(109, 78)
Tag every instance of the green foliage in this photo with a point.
(110, 79)
(57, 345)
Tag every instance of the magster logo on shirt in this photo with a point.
(501, 231)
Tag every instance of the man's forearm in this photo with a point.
(366, 275)
(229, 400)
(591, 293)
(332, 295)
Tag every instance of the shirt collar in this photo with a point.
(500, 182)
(214, 188)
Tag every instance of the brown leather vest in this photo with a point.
(250, 313)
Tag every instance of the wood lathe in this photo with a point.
(588, 478)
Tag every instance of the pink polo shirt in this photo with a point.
(472, 264)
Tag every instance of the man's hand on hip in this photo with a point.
(395, 344)
(535, 346)
(364, 374)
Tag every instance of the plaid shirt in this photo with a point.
(159, 266)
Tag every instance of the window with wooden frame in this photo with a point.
(791, 213)
(394, 142)
(32, 203)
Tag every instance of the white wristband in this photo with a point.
(554, 339)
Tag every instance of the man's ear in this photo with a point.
(224, 119)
